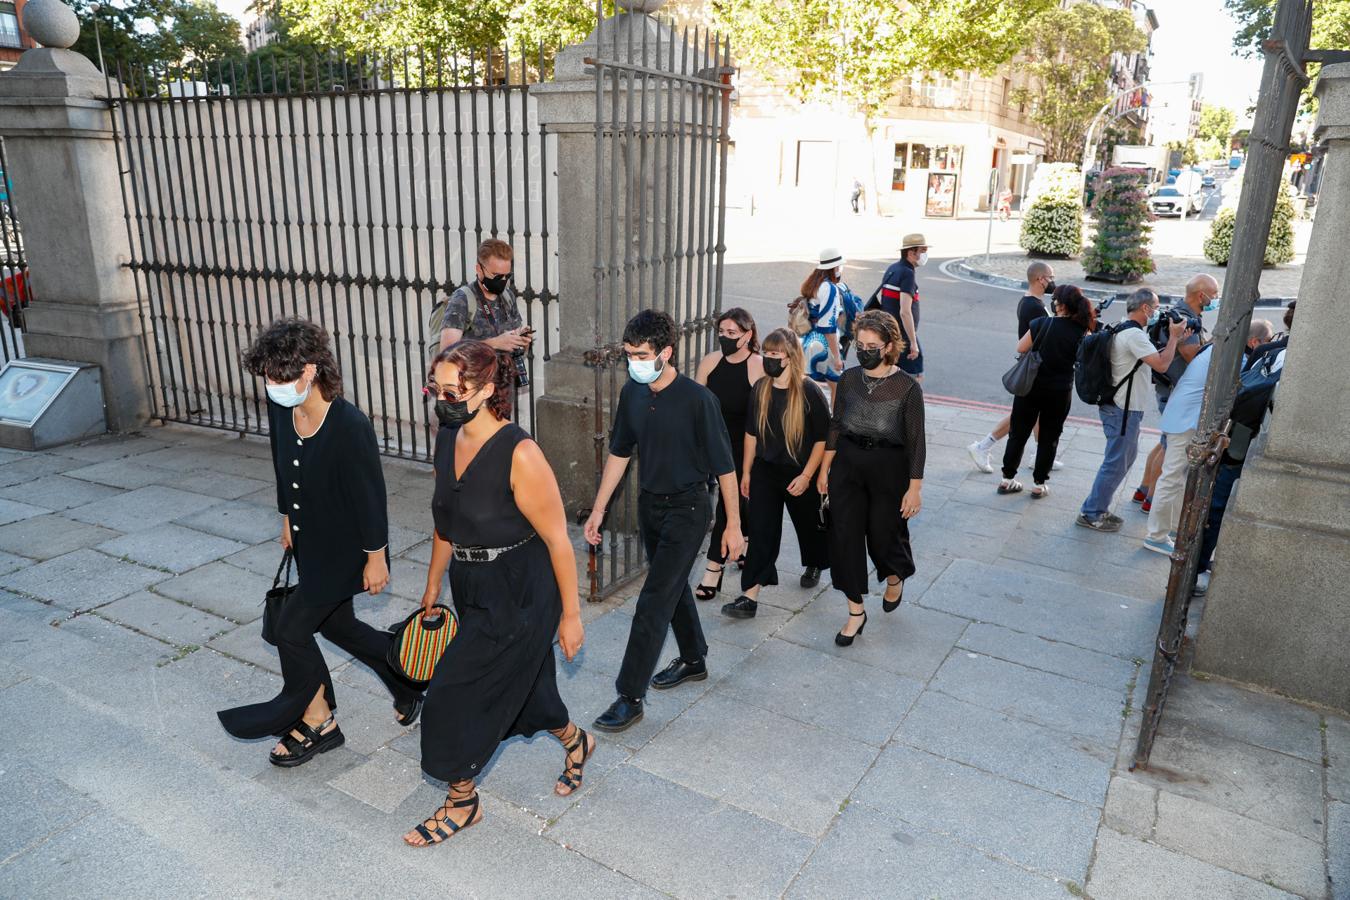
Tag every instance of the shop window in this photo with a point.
(898, 168)
(918, 156)
(946, 159)
(9, 26)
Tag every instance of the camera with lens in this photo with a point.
(522, 370)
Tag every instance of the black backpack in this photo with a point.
(1253, 400)
(1092, 373)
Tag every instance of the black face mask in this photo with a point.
(730, 345)
(454, 413)
(869, 359)
(495, 284)
(1050, 287)
(774, 367)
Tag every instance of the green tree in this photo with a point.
(1331, 23)
(1068, 57)
(158, 34)
(1216, 123)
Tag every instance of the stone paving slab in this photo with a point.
(82, 580)
(142, 508)
(14, 511)
(1252, 717)
(57, 492)
(165, 619)
(35, 805)
(44, 537)
(220, 588)
(1126, 868)
(1034, 652)
(127, 474)
(35, 465)
(383, 781)
(247, 523)
(1031, 828)
(170, 547)
(872, 854)
(736, 853)
(1338, 848)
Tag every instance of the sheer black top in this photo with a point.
(770, 446)
(888, 409)
(479, 508)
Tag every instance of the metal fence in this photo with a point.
(353, 192)
(15, 287)
(662, 100)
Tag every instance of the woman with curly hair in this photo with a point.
(502, 533)
(330, 494)
(873, 470)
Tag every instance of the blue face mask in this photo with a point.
(644, 371)
(1212, 305)
(286, 394)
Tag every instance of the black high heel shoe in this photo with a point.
(703, 592)
(893, 605)
(844, 640)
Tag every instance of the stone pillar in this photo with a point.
(58, 132)
(1278, 611)
(566, 413)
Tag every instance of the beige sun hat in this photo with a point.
(830, 258)
(913, 240)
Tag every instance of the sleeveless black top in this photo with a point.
(730, 384)
(479, 509)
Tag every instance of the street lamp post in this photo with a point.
(1090, 146)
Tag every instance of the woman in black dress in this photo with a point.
(784, 446)
(729, 372)
(330, 494)
(873, 470)
(499, 516)
(1056, 338)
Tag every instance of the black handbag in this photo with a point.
(1019, 379)
(824, 522)
(279, 594)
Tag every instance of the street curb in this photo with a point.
(961, 268)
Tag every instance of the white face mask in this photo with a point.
(644, 371)
(286, 394)
(923, 259)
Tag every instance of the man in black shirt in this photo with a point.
(1040, 285)
(676, 426)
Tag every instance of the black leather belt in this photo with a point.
(487, 554)
(872, 443)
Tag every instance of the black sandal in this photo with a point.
(571, 776)
(703, 592)
(893, 605)
(408, 711)
(438, 834)
(311, 742)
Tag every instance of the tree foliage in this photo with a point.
(1216, 123)
(1331, 23)
(157, 34)
(860, 49)
(1068, 57)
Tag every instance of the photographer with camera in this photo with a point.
(1202, 295)
(487, 310)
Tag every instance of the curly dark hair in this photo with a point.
(480, 365)
(884, 326)
(654, 328)
(281, 351)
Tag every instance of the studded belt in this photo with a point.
(487, 554)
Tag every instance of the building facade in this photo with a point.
(259, 31)
(13, 38)
(1174, 112)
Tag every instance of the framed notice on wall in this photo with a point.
(941, 199)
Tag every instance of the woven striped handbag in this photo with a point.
(419, 643)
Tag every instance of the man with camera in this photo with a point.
(487, 310)
(1202, 294)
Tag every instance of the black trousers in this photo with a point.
(866, 487)
(303, 668)
(1051, 407)
(768, 495)
(672, 527)
(720, 520)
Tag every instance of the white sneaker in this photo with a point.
(983, 459)
(1057, 465)
(1201, 584)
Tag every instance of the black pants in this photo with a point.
(1051, 407)
(1224, 482)
(866, 487)
(768, 495)
(672, 526)
(720, 520)
(303, 668)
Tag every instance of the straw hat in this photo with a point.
(830, 258)
(913, 240)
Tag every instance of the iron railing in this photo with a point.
(15, 286)
(662, 100)
(352, 192)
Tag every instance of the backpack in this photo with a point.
(799, 317)
(436, 320)
(1255, 392)
(1092, 371)
(853, 308)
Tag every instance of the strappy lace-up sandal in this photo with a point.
(442, 828)
(571, 776)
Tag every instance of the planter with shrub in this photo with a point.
(1053, 225)
(1119, 251)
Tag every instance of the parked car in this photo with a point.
(1207, 181)
(1169, 201)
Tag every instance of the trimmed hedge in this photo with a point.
(1279, 247)
(1053, 224)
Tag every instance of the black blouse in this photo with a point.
(771, 446)
(332, 487)
(888, 409)
(479, 508)
(1057, 340)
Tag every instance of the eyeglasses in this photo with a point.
(442, 392)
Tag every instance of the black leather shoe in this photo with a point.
(740, 608)
(810, 578)
(622, 714)
(678, 672)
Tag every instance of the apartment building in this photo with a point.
(13, 38)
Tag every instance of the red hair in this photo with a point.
(480, 365)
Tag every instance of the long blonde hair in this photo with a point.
(783, 340)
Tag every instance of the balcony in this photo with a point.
(932, 96)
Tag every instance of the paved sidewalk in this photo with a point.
(973, 744)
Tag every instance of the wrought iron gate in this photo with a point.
(353, 192)
(662, 103)
(15, 288)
